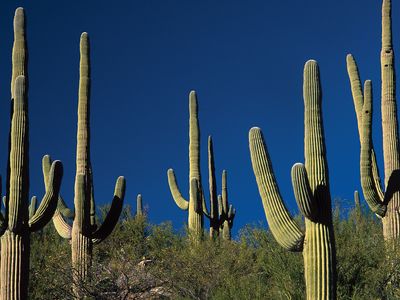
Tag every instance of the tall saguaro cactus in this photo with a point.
(311, 189)
(84, 231)
(19, 221)
(195, 204)
(384, 204)
(139, 205)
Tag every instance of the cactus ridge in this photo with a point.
(311, 188)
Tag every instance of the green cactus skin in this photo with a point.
(139, 205)
(19, 221)
(227, 212)
(384, 204)
(84, 231)
(195, 216)
(311, 189)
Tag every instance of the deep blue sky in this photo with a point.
(245, 60)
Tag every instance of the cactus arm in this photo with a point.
(113, 215)
(62, 227)
(369, 189)
(61, 206)
(139, 205)
(176, 194)
(48, 205)
(212, 183)
(285, 230)
(18, 157)
(32, 207)
(220, 208)
(303, 193)
(358, 99)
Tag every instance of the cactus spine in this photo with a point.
(84, 232)
(311, 189)
(384, 204)
(195, 203)
(19, 221)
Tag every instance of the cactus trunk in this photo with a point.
(81, 247)
(14, 265)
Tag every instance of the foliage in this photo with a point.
(142, 261)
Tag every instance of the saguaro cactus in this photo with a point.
(84, 232)
(139, 205)
(226, 212)
(311, 189)
(384, 204)
(18, 221)
(195, 203)
(221, 214)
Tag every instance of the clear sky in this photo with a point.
(245, 60)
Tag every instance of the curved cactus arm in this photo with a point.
(358, 99)
(61, 226)
(113, 215)
(367, 182)
(303, 193)
(61, 205)
(231, 215)
(32, 207)
(48, 205)
(283, 227)
(176, 194)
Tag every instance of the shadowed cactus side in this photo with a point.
(19, 219)
(386, 203)
(311, 189)
(84, 231)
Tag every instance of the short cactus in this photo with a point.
(384, 204)
(20, 220)
(139, 205)
(226, 212)
(84, 231)
(311, 189)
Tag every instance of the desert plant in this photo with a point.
(84, 231)
(311, 189)
(384, 204)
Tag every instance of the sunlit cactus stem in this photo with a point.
(311, 189)
(20, 220)
(383, 202)
(194, 208)
(84, 231)
(139, 206)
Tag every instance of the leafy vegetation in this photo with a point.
(141, 260)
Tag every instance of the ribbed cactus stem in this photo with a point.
(194, 215)
(139, 205)
(228, 210)
(19, 52)
(385, 205)
(195, 223)
(311, 189)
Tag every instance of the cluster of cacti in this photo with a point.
(84, 232)
(19, 219)
(220, 217)
(384, 204)
(311, 189)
